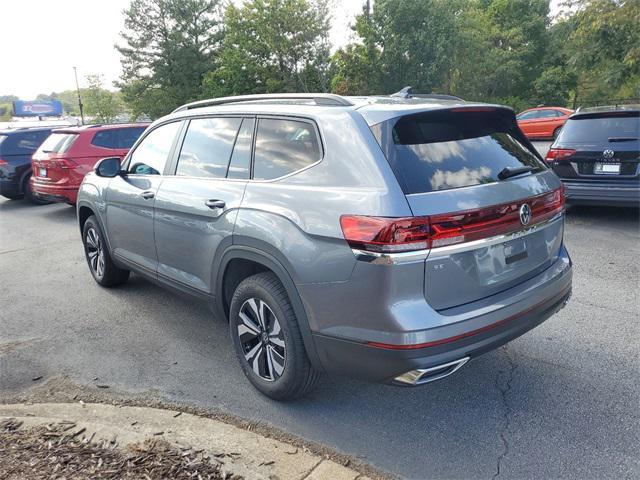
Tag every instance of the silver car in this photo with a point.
(389, 239)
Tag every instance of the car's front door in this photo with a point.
(131, 197)
(196, 208)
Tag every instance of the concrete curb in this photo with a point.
(253, 456)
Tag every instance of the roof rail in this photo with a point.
(324, 99)
(407, 92)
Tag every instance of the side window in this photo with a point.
(528, 115)
(105, 139)
(241, 158)
(283, 147)
(126, 137)
(547, 114)
(150, 157)
(207, 147)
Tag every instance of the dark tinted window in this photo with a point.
(241, 158)
(128, 136)
(23, 143)
(58, 143)
(117, 138)
(600, 129)
(207, 146)
(284, 146)
(440, 151)
(150, 156)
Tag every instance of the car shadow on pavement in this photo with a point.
(622, 216)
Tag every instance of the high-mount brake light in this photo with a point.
(393, 235)
(558, 154)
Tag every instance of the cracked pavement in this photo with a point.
(559, 402)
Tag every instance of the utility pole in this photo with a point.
(75, 72)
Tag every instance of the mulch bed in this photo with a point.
(61, 451)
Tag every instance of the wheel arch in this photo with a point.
(253, 258)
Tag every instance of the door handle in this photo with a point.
(147, 194)
(215, 204)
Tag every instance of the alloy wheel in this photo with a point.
(95, 252)
(262, 339)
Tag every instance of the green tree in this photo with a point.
(401, 42)
(168, 46)
(273, 46)
(101, 104)
(604, 48)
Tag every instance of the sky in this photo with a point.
(45, 39)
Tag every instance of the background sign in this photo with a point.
(37, 108)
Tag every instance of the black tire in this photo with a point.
(297, 377)
(29, 195)
(104, 271)
(14, 197)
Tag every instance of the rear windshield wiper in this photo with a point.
(508, 172)
(623, 139)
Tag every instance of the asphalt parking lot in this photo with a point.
(560, 402)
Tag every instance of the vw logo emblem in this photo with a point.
(525, 214)
(608, 154)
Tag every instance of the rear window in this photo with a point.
(599, 129)
(444, 150)
(24, 142)
(117, 138)
(58, 142)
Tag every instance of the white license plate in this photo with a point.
(606, 168)
(43, 172)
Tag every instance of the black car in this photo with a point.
(597, 157)
(16, 148)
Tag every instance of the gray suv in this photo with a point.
(389, 239)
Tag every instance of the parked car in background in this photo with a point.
(597, 157)
(384, 238)
(543, 122)
(62, 161)
(16, 148)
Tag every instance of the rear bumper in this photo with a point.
(484, 328)
(603, 193)
(53, 193)
(384, 365)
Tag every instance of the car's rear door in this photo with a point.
(196, 206)
(131, 196)
(488, 232)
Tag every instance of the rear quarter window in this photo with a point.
(283, 147)
(444, 150)
(117, 138)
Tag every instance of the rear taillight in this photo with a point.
(387, 235)
(378, 234)
(3, 162)
(558, 154)
(66, 163)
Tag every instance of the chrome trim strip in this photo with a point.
(487, 242)
(420, 376)
(379, 258)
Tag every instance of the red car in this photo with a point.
(543, 122)
(62, 161)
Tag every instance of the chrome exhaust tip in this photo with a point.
(421, 376)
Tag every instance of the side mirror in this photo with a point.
(108, 167)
